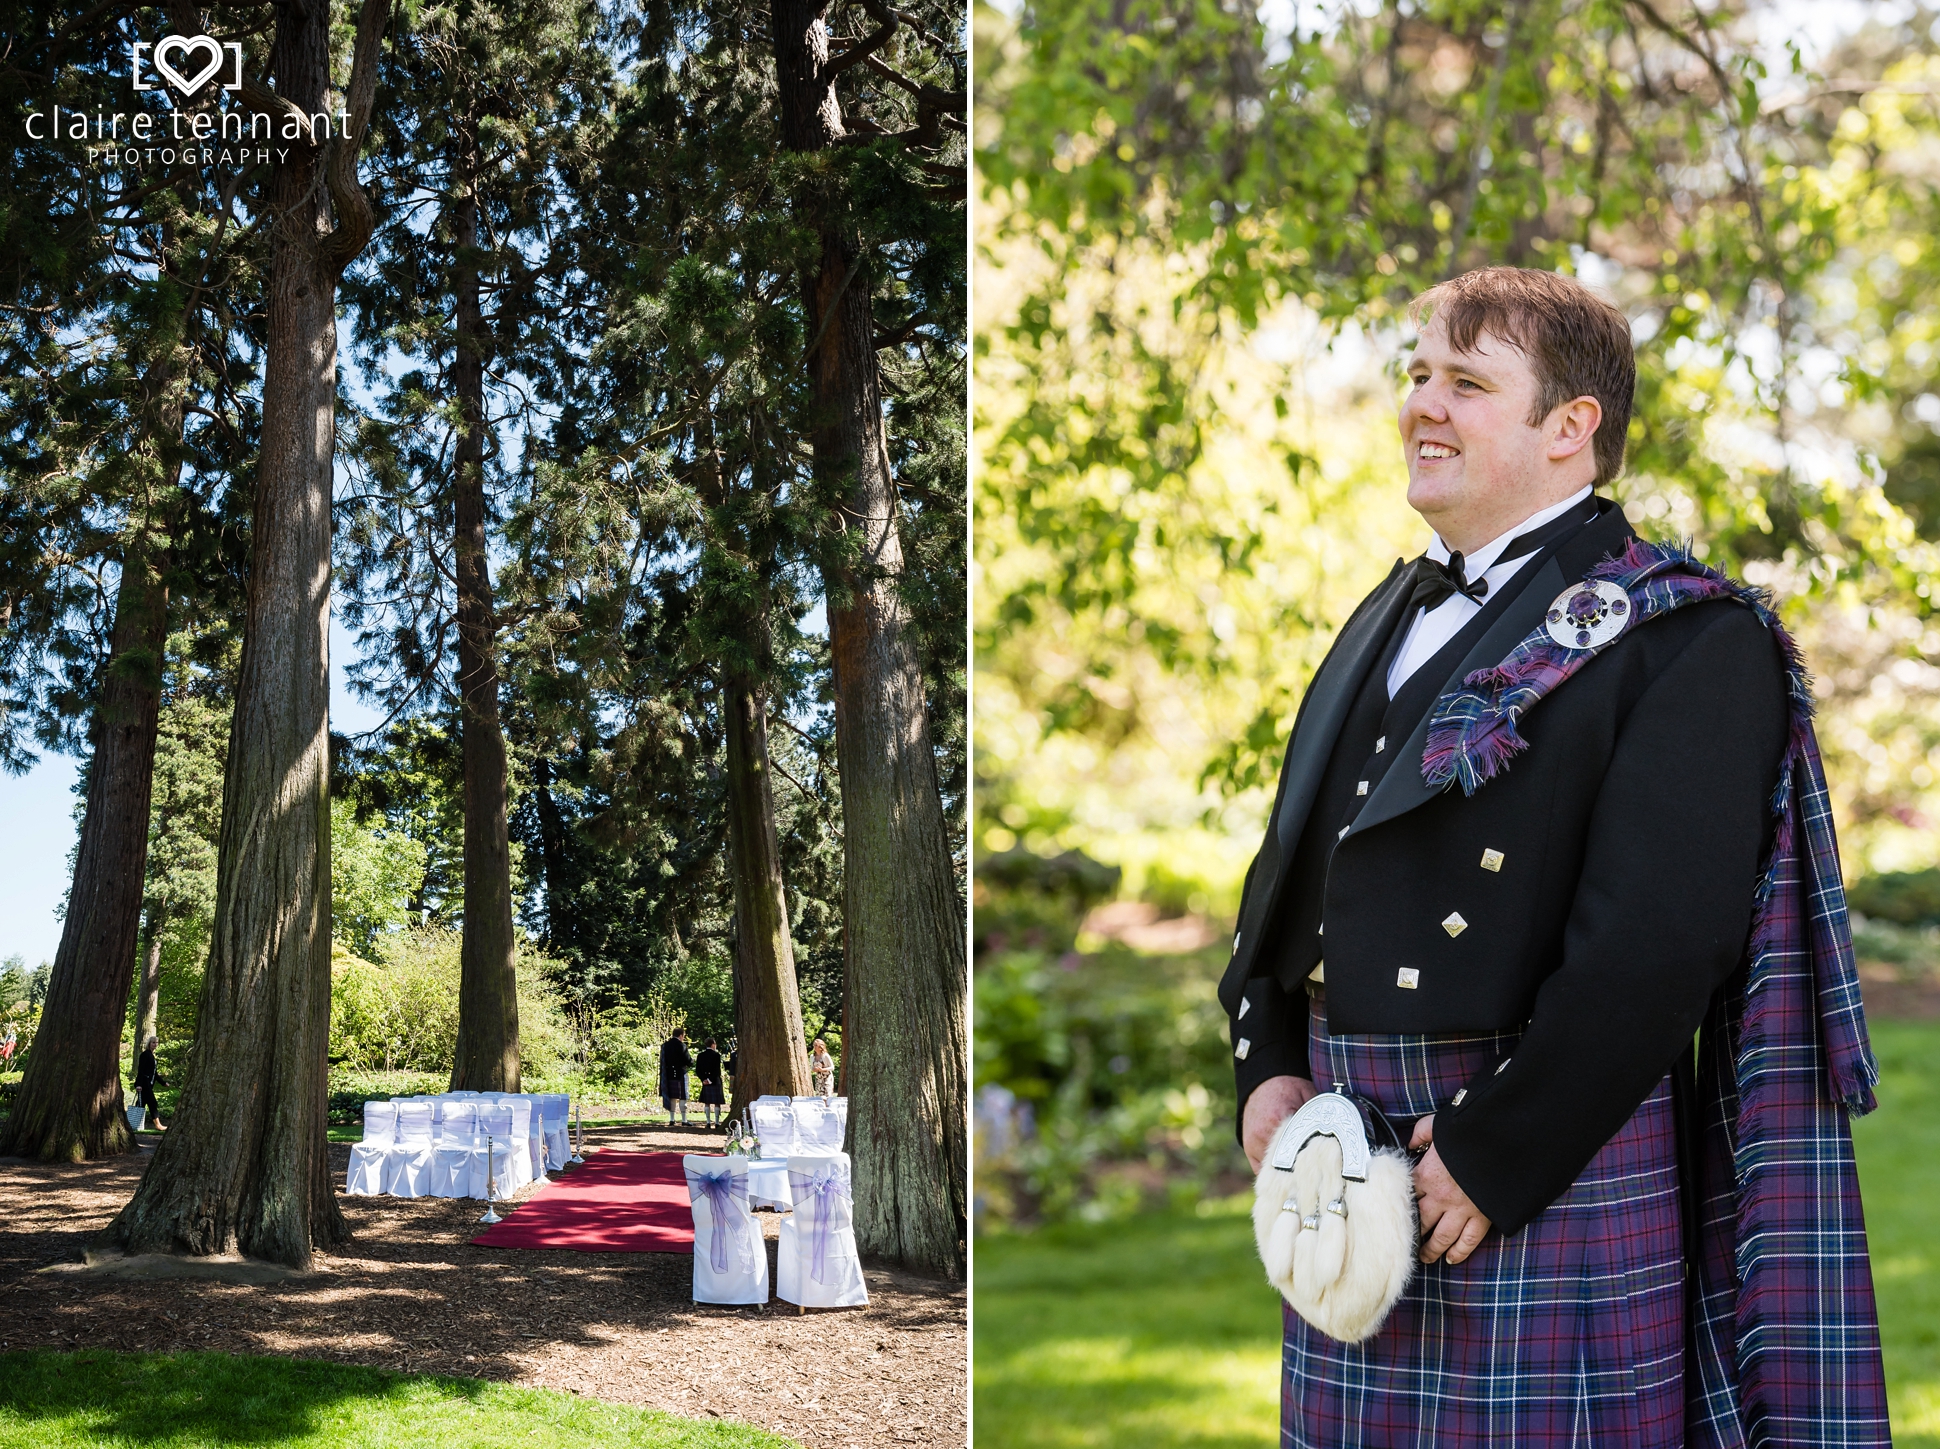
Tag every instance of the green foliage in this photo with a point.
(351, 1087)
(400, 1012)
(409, 784)
(1122, 1084)
(1907, 898)
(375, 878)
(621, 1044)
(175, 1401)
(1198, 237)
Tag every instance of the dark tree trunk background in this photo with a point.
(69, 1104)
(149, 991)
(487, 1057)
(245, 1166)
(552, 853)
(906, 1044)
(773, 1054)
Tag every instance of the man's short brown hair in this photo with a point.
(1577, 344)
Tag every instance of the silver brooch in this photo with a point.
(1588, 615)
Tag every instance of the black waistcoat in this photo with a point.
(1365, 749)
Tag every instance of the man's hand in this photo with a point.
(1272, 1102)
(1451, 1225)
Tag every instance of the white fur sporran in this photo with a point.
(1335, 1220)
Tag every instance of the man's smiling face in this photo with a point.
(1465, 426)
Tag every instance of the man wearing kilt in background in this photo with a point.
(1553, 804)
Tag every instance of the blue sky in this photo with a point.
(37, 827)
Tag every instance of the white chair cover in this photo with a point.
(774, 1124)
(818, 1126)
(557, 1110)
(816, 1265)
(366, 1176)
(451, 1157)
(535, 1141)
(507, 1151)
(730, 1260)
(407, 1166)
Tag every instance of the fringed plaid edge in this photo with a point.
(1784, 1328)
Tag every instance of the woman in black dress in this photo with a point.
(707, 1066)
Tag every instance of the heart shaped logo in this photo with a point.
(198, 45)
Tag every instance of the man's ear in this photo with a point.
(1572, 426)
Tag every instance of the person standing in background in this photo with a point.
(821, 1068)
(675, 1063)
(707, 1066)
(146, 1080)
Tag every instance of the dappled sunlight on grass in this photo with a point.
(159, 1401)
(1159, 1332)
(1899, 1176)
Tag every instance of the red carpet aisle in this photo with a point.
(618, 1202)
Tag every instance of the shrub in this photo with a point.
(1906, 898)
(1103, 1082)
(401, 1013)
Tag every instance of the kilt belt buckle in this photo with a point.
(1334, 1216)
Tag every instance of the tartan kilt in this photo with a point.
(1569, 1332)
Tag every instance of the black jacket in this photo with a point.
(674, 1056)
(145, 1069)
(1629, 837)
(707, 1066)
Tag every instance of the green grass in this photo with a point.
(1899, 1175)
(1162, 1333)
(1159, 1332)
(174, 1401)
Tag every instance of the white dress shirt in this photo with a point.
(1432, 628)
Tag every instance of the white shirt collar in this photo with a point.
(1475, 564)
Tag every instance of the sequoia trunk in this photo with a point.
(69, 1104)
(767, 1001)
(245, 1165)
(906, 1039)
(487, 1057)
(148, 994)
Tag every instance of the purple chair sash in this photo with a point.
(725, 1191)
(824, 1182)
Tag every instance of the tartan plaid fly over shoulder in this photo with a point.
(1783, 1329)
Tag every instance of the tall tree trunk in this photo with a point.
(907, 1036)
(487, 1057)
(69, 1104)
(767, 1001)
(149, 991)
(245, 1165)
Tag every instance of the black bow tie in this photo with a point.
(1436, 582)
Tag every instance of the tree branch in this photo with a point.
(355, 220)
(864, 48)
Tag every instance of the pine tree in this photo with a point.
(485, 94)
(120, 320)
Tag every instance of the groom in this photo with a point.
(1516, 973)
